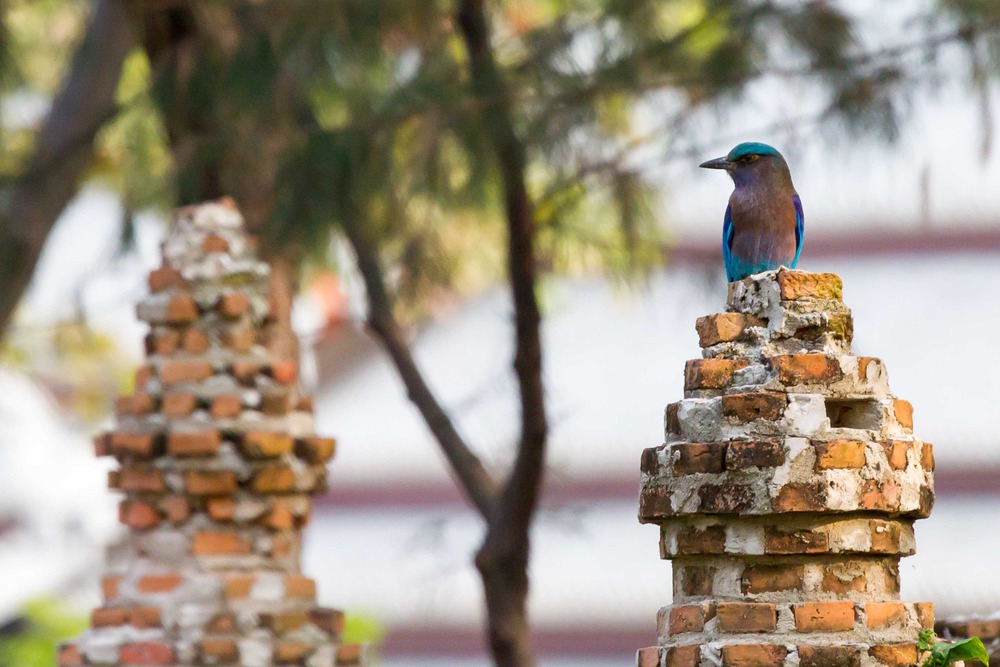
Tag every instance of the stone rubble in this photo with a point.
(786, 491)
(218, 463)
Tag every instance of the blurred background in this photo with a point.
(319, 115)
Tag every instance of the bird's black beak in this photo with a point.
(717, 163)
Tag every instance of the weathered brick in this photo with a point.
(838, 454)
(885, 536)
(175, 508)
(276, 403)
(728, 498)
(772, 578)
(281, 622)
(138, 514)
(102, 444)
(753, 655)
(648, 657)
(265, 444)
(884, 614)
(164, 278)
(895, 453)
(238, 338)
(754, 454)
(146, 653)
(290, 652)
(299, 586)
(778, 541)
(110, 588)
(710, 540)
(162, 341)
(748, 407)
(138, 404)
(214, 243)
(181, 309)
(221, 508)
(223, 623)
(225, 406)
(699, 457)
(177, 404)
(649, 462)
(315, 449)
(927, 456)
(273, 479)
(238, 586)
(724, 327)
(824, 616)
(746, 616)
(798, 369)
(710, 373)
(104, 617)
(882, 496)
(278, 518)
(194, 341)
(697, 580)
(284, 372)
(688, 655)
(143, 374)
(140, 478)
(688, 618)
(142, 445)
(671, 422)
(218, 651)
(144, 617)
(925, 614)
(330, 621)
(802, 284)
(159, 583)
(194, 443)
(800, 497)
(233, 304)
(210, 482)
(904, 413)
(842, 580)
(176, 371)
(348, 655)
(830, 656)
(216, 543)
(654, 504)
(245, 371)
(895, 655)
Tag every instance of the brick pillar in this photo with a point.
(786, 491)
(218, 463)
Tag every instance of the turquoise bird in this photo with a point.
(764, 224)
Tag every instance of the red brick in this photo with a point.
(239, 338)
(146, 653)
(176, 508)
(800, 497)
(697, 457)
(195, 341)
(137, 404)
(222, 508)
(724, 327)
(746, 616)
(927, 457)
(777, 541)
(142, 376)
(290, 652)
(104, 617)
(177, 371)
(711, 540)
(672, 423)
(276, 403)
(194, 443)
(284, 621)
(138, 514)
(748, 407)
(70, 656)
(278, 518)
(159, 583)
(842, 580)
(753, 655)
(315, 449)
(179, 404)
(882, 496)
(265, 444)
(142, 445)
(273, 479)
(895, 655)
(688, 655)
(223, 623)
(885, 536)
(214, 243)
(102, 444)
(239, 585)
(181, 309)
(803, 284)
(226, 406)
(654, 504)
(245, 371)
(884, 614)
(754, 454)
(218, 651)
(648, 657)
(210, 483)
(162, 341)
(687, 618)
(144, 617)
(824, 616)
(925, 614)
(895, 453)
(904, 413)
(140, 479)
(725, 498)
(697, 579)
(305, 404)
(164, 278)
(649, 462)
(348, 654)
(213, 543)
(798, 369)
(109, 588)
(298, 586)
(839, 454)
(233, 304)
(330, 621)
(711, 373)
(830, 656)
(772, 578)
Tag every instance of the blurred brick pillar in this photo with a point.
(218, 463)
(786, 491)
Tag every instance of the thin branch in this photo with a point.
(63, 151)
(479, 485)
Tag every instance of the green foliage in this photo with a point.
(47, 622)
(941, 653)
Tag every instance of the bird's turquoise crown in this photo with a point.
(751, 148)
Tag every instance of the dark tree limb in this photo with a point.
(503, 558)
(479, 486)
(64, 149)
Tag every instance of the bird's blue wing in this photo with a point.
(727, 244)
(800, 228)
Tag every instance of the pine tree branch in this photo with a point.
(64, 148)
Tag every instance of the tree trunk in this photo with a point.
(504, 571)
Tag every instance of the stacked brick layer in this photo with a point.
(786, 491)
(218, 463)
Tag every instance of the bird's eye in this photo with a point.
(749, 158)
